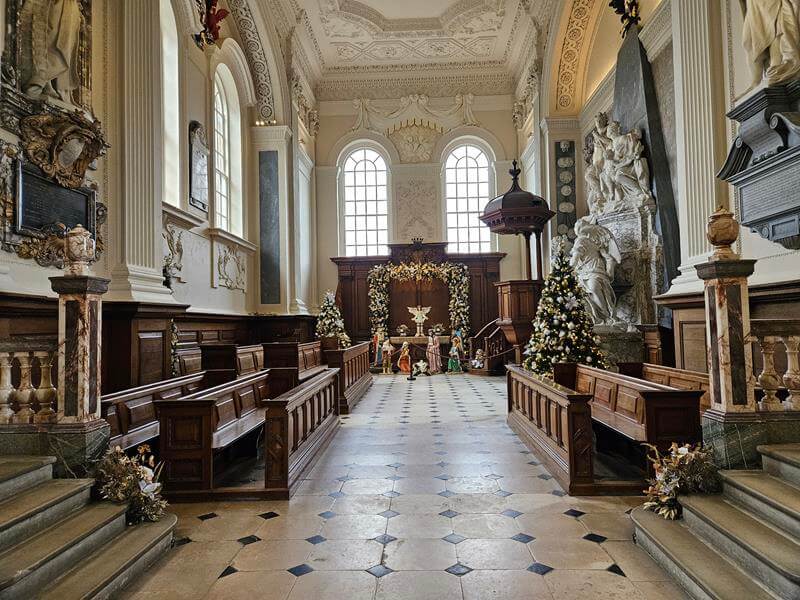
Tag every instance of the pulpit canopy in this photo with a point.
(517, 211)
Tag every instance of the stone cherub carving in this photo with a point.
(617, 177)
(771, 37)
(595, 257)
(55, 31)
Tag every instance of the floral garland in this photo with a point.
(455, 276)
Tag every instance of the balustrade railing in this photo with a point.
(769, 335)
(27, 390)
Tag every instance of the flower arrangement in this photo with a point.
(330, 323)
(455, 276)
(562, 329)
(684, 470)
(134, 480)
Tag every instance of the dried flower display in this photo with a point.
(134, 480)
(684, 470)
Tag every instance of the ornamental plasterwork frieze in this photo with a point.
(256, 58)
(231, 268)
(417, 197)
(415, 143)
(413, 110)
(571, 52)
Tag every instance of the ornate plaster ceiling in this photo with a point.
(399, 44)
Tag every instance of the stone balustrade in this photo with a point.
(27, 393)
(769, 335)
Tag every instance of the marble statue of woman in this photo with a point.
(771, 37)
(631, 173)
(55, 29)
(595, 256)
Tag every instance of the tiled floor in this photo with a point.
(425, 493)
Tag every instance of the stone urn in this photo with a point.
(79, 251)
(722, 231)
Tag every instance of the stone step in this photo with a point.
(28, 566)
(766, 497)
(18, 473)
(771, 557)
(700, 571)
(36, 508)
(116, 564)
(782, 461)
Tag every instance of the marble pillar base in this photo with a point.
(621, 346)
(735, 437)
(76, 446)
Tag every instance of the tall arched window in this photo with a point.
(366, 205)
(466, 177)
(227, 153)
(170, 103)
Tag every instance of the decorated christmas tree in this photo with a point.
(330, 323)
(562, 329)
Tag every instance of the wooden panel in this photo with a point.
(151, 356)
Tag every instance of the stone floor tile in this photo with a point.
(504, 585)
(419, 555)
(361, 504)
(345, 555)
(272, 555)
(494, 554)
(571, 585)
(318, 487)
(269, 585)
(354, 527)
(555, 525)
(290, 527)
(613, 526)
(420, 485)
(367, 486)
(485, 526)
(420, 503)
(569, 553)
(419, 526)
(419, 585)
(334, 585)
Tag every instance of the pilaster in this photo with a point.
(700, 130)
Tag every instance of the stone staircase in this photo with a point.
(744, 543)
(55, 542)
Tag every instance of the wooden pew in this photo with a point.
(555, 423)
(196, 426)
(229, 361)
(676, 378)
(639, 410)
(298, 426)
(306, 357)
(132, 413)
(189, 358)
(355, 377)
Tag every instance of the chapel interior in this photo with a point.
(367, 299)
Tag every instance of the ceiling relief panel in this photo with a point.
(571, 52)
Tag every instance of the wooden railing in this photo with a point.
(354, 374)
(557, 423)
(27, 390)
(298, 425)
(768, 335)
(495, 346)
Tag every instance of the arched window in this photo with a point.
(366, 203)
(227, 153)
(170, 103)
(466, 178)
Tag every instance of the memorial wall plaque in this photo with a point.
(41, 203)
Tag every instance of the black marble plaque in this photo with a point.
(41, 202)
(269, 227)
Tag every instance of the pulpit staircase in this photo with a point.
(56, 542)
(743, 543)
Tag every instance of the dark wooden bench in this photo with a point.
(556, 423)
(298, 426)
(189, 358)
(640, 410)
(132, 413)
(355, 377)
(305, 357)
(229, 361)
(672, 377)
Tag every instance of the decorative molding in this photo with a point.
(182, 218)
(273, 133)
(232, 55)
(414, 110)
(414, 142)
(551, 124)
(231, 268)
(229, 239)
(256, 57)
(657, 32)
(570, 56)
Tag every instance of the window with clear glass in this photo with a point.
(466, 177)
(222, 156)
(366, 204)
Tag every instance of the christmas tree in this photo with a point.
(562, 329)
(330, 323)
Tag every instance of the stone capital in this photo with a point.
(79, 284)
(725, 269)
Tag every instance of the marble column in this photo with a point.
(732, 425)
(700, 129)
(137, 272)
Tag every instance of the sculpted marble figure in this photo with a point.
(55, 28)
(595, 257)
(771, 37)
